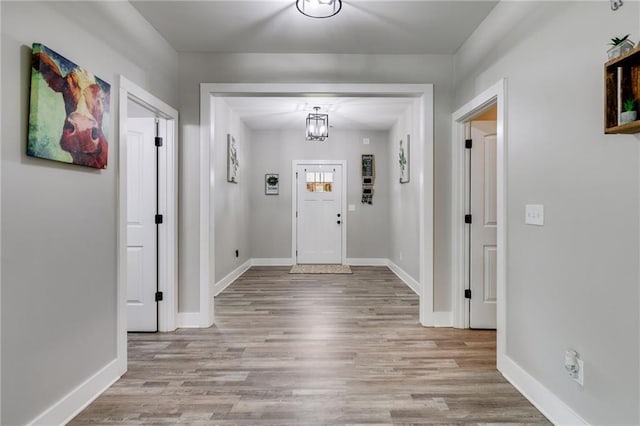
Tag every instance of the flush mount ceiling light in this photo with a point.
(317, 126)
(319, 8)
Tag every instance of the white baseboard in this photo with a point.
(78, 399)
(406, 278)
(441, 319)
(230, 278)
(542, 398)
(285, 261)
(373, 261)
(189, 320)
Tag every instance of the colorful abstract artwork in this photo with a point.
(69, 111)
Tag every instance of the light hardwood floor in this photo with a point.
(313, 349)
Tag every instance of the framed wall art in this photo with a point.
(233, 165)
(404, 159)
(68, 111)
(271, 184)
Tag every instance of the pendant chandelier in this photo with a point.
(319, 8)
(317, 126)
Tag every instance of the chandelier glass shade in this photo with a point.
(317, 126)
(319, 8)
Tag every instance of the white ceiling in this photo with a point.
(270, 113)
(276, 26)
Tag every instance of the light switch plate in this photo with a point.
(534, 214)
(352, 207)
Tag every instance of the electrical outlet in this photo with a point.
(574, 366)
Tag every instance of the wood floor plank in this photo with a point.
(313, 349)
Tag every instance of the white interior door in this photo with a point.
(483, 256)
(319, 213)
(142, 314)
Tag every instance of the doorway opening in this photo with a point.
(481, 220)
(144, 128)
(479, 254)
(147, 214)
(211, 138)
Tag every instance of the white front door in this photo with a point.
(142, 311)
(484, 255)
(319, 213)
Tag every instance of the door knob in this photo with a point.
(338, 214)
(338, 222)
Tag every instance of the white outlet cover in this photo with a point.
(365, 141)
(534, 214)
(352, 207)
(580, 378)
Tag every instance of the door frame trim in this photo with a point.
(294, 204)
(494, 95)
(422, 158)
(167, 192)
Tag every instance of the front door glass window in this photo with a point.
(319, 181)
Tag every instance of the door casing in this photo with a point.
(494, 95)
(294, 204)
(168, 196)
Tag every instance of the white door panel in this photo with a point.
(319, 221)
(490, 274)
(141, 227)
(135, 275)
(483, 256)
(490, 199)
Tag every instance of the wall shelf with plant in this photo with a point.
(622, 91)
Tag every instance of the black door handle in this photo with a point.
(338, 214)
(338, 222)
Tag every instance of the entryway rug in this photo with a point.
(320, 269)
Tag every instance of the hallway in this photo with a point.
(311, 349)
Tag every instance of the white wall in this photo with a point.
(59, 221)
(405, 221)
(195, 68)
(574, 282)
(230, 201)
(273, 152)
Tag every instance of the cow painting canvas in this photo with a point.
(69, 111)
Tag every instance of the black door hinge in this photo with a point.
(468, 143)
(467, 218)
(158, 141)
(159, 296)
(159, 219)
(467, 293)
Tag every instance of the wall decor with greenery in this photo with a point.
(271, 184)
(404, 160)
(233, 162)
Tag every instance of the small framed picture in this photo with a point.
(271, 184)
(404, 160)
